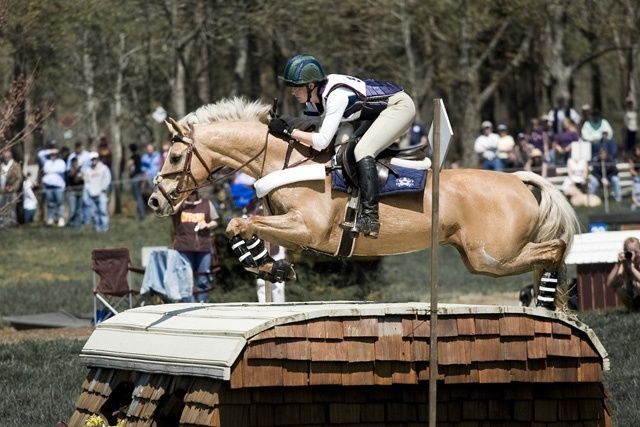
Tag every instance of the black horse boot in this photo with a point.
(368, 222)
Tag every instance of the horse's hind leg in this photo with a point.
(545, 259)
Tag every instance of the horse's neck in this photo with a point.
(241, 143)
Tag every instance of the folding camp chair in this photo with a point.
(111, 281)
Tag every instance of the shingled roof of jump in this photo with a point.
(208, 349)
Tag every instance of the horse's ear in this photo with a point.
(175, 127)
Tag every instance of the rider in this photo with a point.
(339, 98)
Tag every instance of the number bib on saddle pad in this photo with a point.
(401, 180)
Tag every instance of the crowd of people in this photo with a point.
(582, 142)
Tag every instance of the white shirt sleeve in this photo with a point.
(336, 104)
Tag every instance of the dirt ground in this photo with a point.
(9, 334)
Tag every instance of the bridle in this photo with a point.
(185, 176)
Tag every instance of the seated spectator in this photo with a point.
(634, 169)
(594, 127)
(506, 145)
(537, 161)
(486, 145)
(538, 138)
(604, 167)
(522, 153)
(563, 140)
(624, 277)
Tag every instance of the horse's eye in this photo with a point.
(175, 158)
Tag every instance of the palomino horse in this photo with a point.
(494, 220)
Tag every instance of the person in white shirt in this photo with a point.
(96, 185)
(83, 156)
(486, 145)
(53, 181)
(29, 199)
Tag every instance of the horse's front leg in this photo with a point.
(247, 235)
(288, 230)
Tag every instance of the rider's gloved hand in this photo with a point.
(280, 129)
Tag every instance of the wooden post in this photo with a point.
(435, 208)
(268, 286)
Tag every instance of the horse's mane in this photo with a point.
(229, 109)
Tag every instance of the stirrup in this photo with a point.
(369, 229)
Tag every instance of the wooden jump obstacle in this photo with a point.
(349, 364)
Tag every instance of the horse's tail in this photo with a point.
(556, 220)
(556, 217)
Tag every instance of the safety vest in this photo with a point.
(369, 99)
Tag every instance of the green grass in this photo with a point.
(40, 380)
(47, 269)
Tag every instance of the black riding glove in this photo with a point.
(280, 129)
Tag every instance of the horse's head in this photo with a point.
(183, 171)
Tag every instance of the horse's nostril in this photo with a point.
(153, 203)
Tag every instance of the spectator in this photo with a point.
(630, 120)
(538, 138)
(563, 140)
(137, 177)
(604, 168)
(634, 169)
(558, 114)
(29, 199)
(81, 154)
(104, 152)
(165, 153)
(624, 277)
(634, 163)
(577, 175)
(486, 145)
(506, 145)
(522, 153)
(594, 127)
(97, 180)
(54, 183)
(150, 163)
(417, 134)
(75, 190)
(192, 225)
(10, 185)
(277, 288)
(537, 161)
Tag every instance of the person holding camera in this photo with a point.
(625, 275)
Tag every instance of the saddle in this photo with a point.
(345, 160)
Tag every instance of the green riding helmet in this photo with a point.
(302, 69)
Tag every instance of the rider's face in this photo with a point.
(300, 93)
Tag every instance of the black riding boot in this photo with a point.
(368, 222)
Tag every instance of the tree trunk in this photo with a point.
(89, 90)
(116, 126)
(554, 53)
